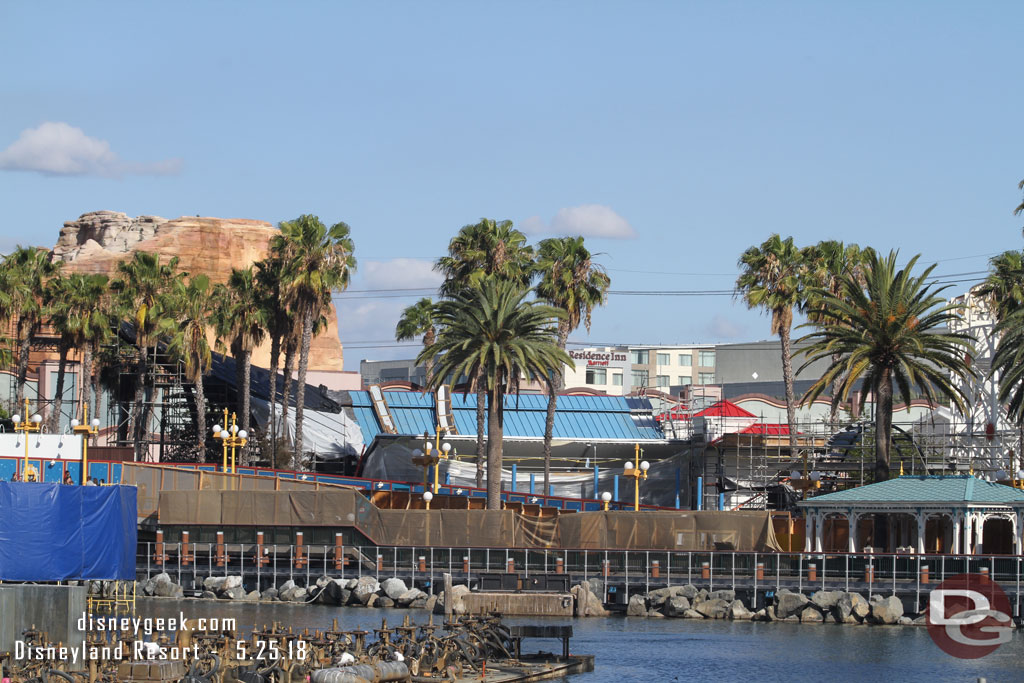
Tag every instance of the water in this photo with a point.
(666, 650)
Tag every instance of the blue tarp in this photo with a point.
(54, 532)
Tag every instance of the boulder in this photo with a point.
(861, 608)
(429, 603)
(365, 587)
(351, 584)
(811, 615)
(270, 594)
(166, 589)
(675, 607)
(287, 585)
(760, 615)
(587, 604)
(905, 621)
(236, 593)
(739, 612)
(385, 601)
(144, 587)
(886, 610)
(373, 600)
(208, 595)
(334, 593)
(659, 597)
(420, 603)
(637, 607)
(159, 578)
(655, 613)
(692, 614)
(252, 596)
(214, 583)
(231, 582)
(408, 596)
(689, 591)
(393, 588)
(825, 600)
(727, 595)
(713, 608)
(789, 604)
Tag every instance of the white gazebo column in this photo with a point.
(819, 533)
(957, 533)
(922, 525)
(808, 530)
(852, 518)
(1016, 539)
(979, 534)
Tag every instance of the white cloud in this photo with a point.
(723, 328)
(588, 220)
(399, 273)
(57, 148)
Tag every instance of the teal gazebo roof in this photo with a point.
(924, 489)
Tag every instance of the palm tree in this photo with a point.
(318, 261)
(489, 330)
(1020, 207)
(239, 318)
(141, 289)
(889, 331)
(572, 283)
(29, 270)
(827, 263)
(96, 332)
(486, 249)
(269, 277)
(772, 279)
(77, 313)
(191, 307)
(1003, 288)
(417, 320)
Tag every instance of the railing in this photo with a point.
(629, 570)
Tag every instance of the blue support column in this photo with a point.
(515, 472)
(721, 501)
(533, 483)
(597, 481)
(700, 493)
(615, 489)
(447, 478)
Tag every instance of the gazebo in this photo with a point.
(959, 514)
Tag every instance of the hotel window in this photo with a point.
(641, 357)
(662, 381)
(617, 379)
(707, 359)
(685, 380)
(706, 378)
(664, 359)
(639, 378)
(597, 376)
(685, 360)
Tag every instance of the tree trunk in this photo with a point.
(557, 384)
(140, 389)
(246, 383)
(289, 370)
(275, 359)
(24, 345)
(85, 383)
(200, 420)
(787, 375)
(481, 406)
(494, 437)
(883, 424)
(58, 397)
(300, 391)
(428, 340)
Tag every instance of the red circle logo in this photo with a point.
(969, 616)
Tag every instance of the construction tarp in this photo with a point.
(56, 532)
(669, 530)
(649, 530)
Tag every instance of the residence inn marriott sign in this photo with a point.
(602, 369)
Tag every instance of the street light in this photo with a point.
(427, 497)
(86, 429)
(232, 437)
(638, 472)
(606, 498)
(29, 425)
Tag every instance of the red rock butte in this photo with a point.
(97, 241)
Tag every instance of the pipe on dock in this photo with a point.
(382, 672)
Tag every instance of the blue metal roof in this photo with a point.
(577, 417)
(925, 489)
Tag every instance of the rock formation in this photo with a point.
(97, 241)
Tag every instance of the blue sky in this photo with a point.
(696, 129)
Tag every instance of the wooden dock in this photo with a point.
(528, 604)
